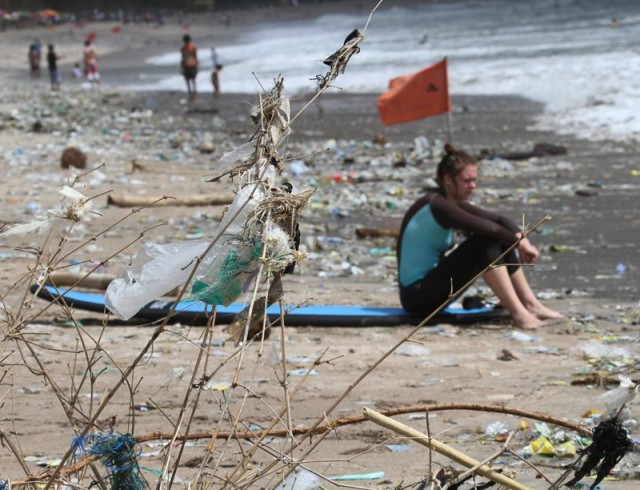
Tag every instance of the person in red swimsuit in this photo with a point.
(189, 65)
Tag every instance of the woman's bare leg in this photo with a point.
(528, 297)
(501, 284)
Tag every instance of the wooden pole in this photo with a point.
(449, 128)
(443, 449)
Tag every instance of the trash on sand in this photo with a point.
(506, 355)
(610, 444)
(398, 448)
(300, 479)
(496, 429)
(362, 476)
(598, 350)
(223, 386)
(520, 337)
(118, 453)
(303, 372)
(412, 350)
(615, 399)
(72, 208)
(542, 446)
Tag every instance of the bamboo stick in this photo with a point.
(443, 449)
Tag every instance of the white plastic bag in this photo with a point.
(220, 278)
(155, 271)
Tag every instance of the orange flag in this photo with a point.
(416, 96)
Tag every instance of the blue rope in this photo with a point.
(118, 454)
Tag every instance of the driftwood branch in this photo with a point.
(91, 281)
(154, 201)
(377, 232)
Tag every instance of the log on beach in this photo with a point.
(195, 200)
(377, 232)
(91, 281)
(97, 281)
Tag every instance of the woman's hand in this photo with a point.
(528, 253)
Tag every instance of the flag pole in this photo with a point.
(449, 118)
(449, 128)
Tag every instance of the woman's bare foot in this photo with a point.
(527, 321)
(543, 313)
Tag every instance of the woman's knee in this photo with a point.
(493, 251)
(486, 248)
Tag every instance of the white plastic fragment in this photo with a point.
(618, 397)
(73, 207)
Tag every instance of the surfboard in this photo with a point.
(197, 313)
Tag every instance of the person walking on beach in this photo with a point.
(189, 65)
(90, 56)
(215, 72)
(52, 64)
(428, 273)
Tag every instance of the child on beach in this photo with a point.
(77, 71)
(215, 72)
(427, 273)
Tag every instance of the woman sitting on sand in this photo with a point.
(428, 274)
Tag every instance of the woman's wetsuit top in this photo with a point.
(427, 232)
(423, 243)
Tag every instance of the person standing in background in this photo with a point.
(38, 49)
(34, 62)
(91, 64)
(52, 63)
(189, 65)
(215, 72)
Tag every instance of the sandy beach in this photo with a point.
(60, 366)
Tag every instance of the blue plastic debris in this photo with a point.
(363, 476)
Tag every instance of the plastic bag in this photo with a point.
(221, 277)
(155, 271)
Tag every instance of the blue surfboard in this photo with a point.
(196, 312)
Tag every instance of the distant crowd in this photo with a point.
(89, 69)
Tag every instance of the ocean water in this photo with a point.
(569, 54)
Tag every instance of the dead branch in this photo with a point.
(343, 421)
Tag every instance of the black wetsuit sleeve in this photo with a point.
(472, 219)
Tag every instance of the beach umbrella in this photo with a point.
(49, 13)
